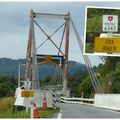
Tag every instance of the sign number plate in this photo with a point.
(110, 23)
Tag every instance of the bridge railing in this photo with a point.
(77, 100)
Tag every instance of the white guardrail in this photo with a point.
(77, 100)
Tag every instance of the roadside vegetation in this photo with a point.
(108, 74)
(7, 91)
(7, 86)
(6, 106)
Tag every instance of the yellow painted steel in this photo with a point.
(107, 45)
(43, 62)
(25, 93)
(48, 58)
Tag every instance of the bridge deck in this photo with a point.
(86, 111)
(53, 87)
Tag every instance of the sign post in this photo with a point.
(27, 93)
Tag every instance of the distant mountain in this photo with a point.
(9, 67)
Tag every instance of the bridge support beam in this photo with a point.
(66, 55)
(31, 58)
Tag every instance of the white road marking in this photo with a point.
(60, 114)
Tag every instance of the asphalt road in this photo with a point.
(86, 111)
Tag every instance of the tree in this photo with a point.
(74, 82)
(7, 86)
(86, 87)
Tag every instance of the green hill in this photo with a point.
(9, 73)
(9, 67)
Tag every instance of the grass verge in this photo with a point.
(6, 105)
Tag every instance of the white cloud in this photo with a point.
(14, 26)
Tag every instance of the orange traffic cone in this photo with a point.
(44, 103)
(35, 111)
(33, 103)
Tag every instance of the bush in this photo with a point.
(7, 86)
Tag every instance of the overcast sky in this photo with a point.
(14, 26)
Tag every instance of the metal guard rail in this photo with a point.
(77, 100)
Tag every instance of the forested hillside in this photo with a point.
(9, 72)
(108, 74)
(9, 67)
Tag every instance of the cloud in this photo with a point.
(14, 26)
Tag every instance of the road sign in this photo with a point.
(57, 59)
(48, 58)
(107, 45)
(110, 23)
(27, 85)
(25, 93)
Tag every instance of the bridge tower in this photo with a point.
(31, 55)
(60, 60)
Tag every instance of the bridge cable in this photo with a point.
(62, 39)
(88, 66)
(50, 36)
(59, 77)
(94, 79)
(91, 71)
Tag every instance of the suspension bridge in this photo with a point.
(60, 60)
(58, 63)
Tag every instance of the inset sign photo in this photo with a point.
(102, 35)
